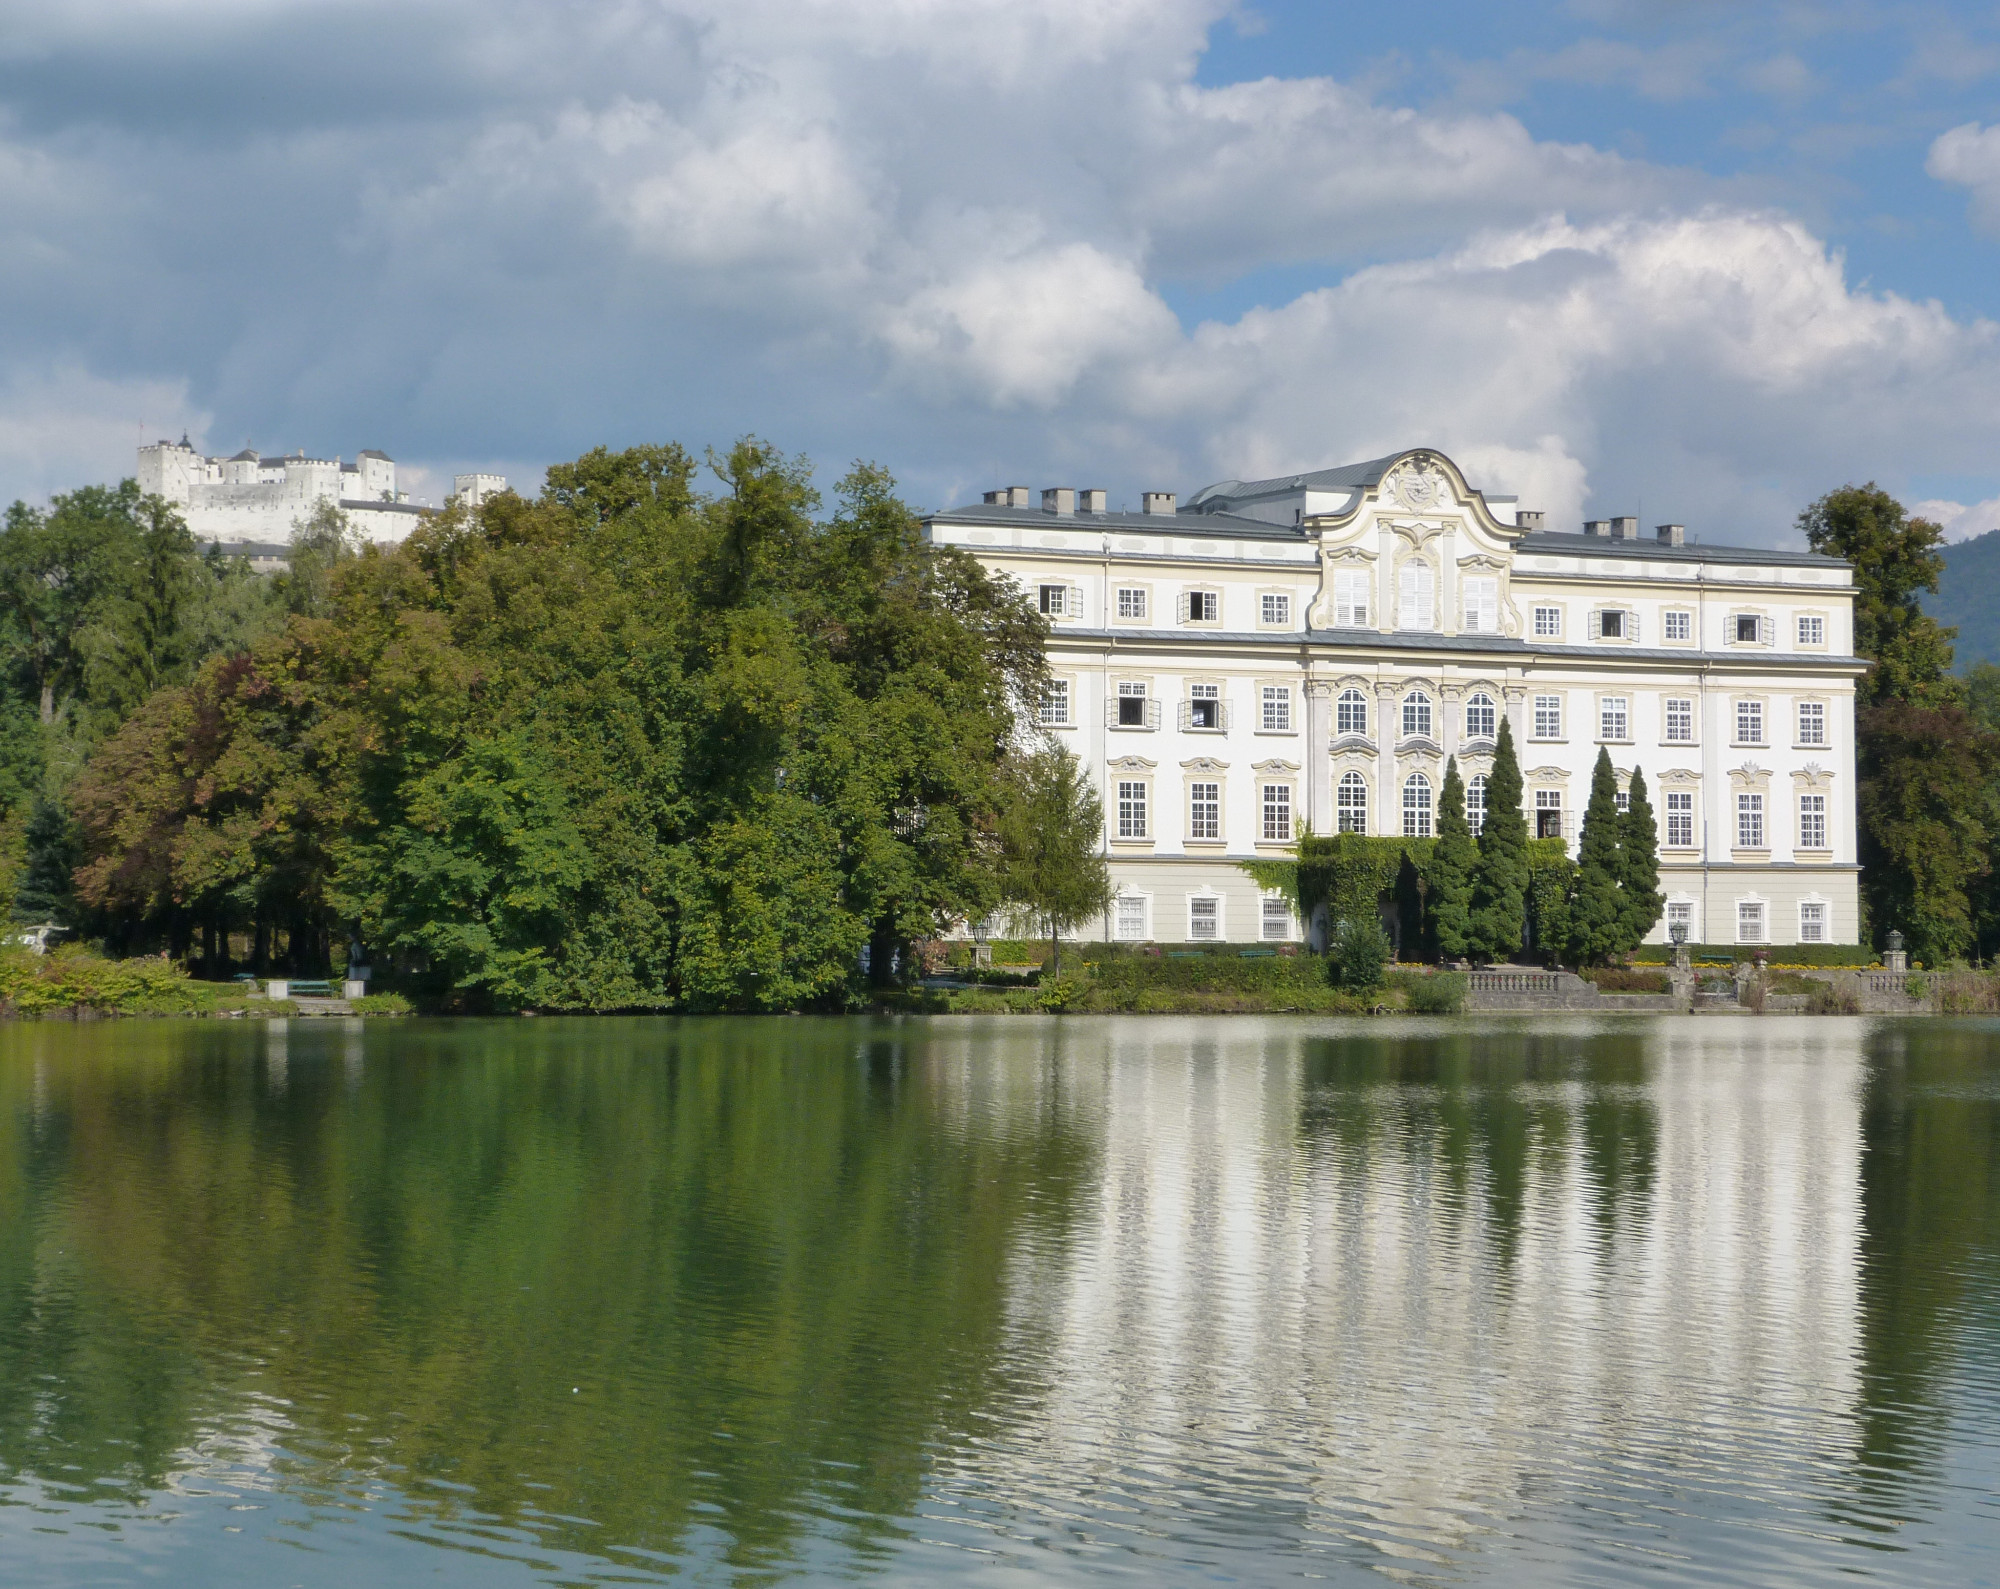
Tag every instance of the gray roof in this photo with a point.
(370, 452)
(1346, 477)
(1561, 543)
(383, 507)
(247, 455)
(1182, 523)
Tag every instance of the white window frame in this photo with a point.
(1812, 821)
(1484, 704)
(1750, 714)
(1420, 812)
(1481, 599)
(1281, 918)
(1274, 813)
(1811, 630)
(1353, 597)
(1201, 598)
(1134, 809)
(1548, 623)
(1130, 913)
(1550, 800)
(1753, 921)
(1274, 609)
(1201, 693)
(1679, 807)
(1418, 716)
(1812, 724)
(1677, 626)
(1475, 803)
(1066, 604)
(1057, 703)
(1813, 927)
(1736, 622)
(1670, 719)
(1210, 916)
(1350, 712)
(1613, 623)
(1548, 710)
(1614, 719)
(1274, 709)
(1416, 597)
(1750, 830)
(1350, 803)
(1205, 812)
(1680, 911)
(1135, 603)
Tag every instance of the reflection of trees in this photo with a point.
(680, 1274)
(1930, 1203)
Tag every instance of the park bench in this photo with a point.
(1256, 954)
(303, 989)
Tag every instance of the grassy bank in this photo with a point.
(74, 981)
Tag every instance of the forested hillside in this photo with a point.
(630, 745)
(1968, 598)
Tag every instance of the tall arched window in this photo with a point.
(1350, 713)
(1416, 715)
(1416, 806)
(1475, 803)
(1481, 721)
(1350, 803)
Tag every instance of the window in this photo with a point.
(1277, 920)
(1812, 723)
(1548, 717)
(1350, 599)
(1052, 600)
(1203, 606)
(1623, 801)
(1481, 719)
(1680, 913)
(1205, 706)
(1475, 804)
(1277, 701)
(1131, 601)
(1680, 819)
(1416, 806)
(1548, 623)
(1204, 918)
(1350, 713)
(1749, 722)
(1131, 917)
(1749, 921)
(1416, 597)
(1132, 809)
(1277, 813)
(1132, 704)
(1055, 704)
(1679, 717)
(1548, 813)
(1612, 718)
(1276, 610)
(1482, 605)
(1204, 810)
(1812, 922)
(1812, 630)
(1749, 629)
(1350, 803)
(1812, 822)
(1677, 625)
(1417, 715)
(1749, 822)
(1611, 626)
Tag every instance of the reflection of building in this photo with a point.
(1415, 1323)
(1312, 648)
(250, 500)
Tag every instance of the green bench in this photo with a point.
(307, 989)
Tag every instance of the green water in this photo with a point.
(1013, 1302)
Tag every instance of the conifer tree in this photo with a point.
(1453, 861)
(1500, 881)
(1639, 864)
(1597, 916)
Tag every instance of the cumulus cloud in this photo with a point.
(1960, 521)
(59, 427)
(1969, 157)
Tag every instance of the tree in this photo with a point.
(1500, 881)
(320, 543)
(1596, 915)
(1639, 863)
(1896, 558)
(1051, 834)
(1356, 952)
(1454, 859)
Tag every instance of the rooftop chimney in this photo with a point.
(1091, 501)
(1156, 501)
(1017, 497)
(1626, 529)
(1672, 534)
(1597, 527)
(1059, 500)
(1529, 519)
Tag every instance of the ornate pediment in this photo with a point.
(1275, 764)
(1205, 764)
(1131, 764)
(1353, 745)
(1485, 561)
(1679, 775)
(1548, 774)
(1749, 773)
(1419, 484)
(1417, 534)
(1812, 775)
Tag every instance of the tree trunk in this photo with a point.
(1055, 951)
(48, 703)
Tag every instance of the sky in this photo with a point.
(1694, 260)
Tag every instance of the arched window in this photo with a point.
(1416, 715)
(1416, 806)
(1350, 713)
(1350, 803)
(1475, 803)
(1480, 719)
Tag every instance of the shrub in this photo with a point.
(75, 978)
(380, 1004)
(1832, 998)
(1357, 952)
(1622, 979)
(1967, 993)
(1791, 954)
(1441, 993)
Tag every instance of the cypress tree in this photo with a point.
(1453, 860)
(1597, 915)
(1500, 881)
(1639, 864)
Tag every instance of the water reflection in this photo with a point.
(1026, 1301)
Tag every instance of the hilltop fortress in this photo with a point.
(253, 501)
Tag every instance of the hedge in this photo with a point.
(1778, 954)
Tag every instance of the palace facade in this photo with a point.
(1310, 649)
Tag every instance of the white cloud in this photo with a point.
(1969, 157)
(1960, 521)
(63, 427)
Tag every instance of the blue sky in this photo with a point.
(1700, 261)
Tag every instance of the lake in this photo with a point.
(1008, 1302)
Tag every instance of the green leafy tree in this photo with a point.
(1500, 881)
(1453, 861)
(1597, 913)
(1896, 560)
(1639, 864)
(1051, 840)
(320, 543)
(1357, 951)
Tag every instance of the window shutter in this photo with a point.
(1228, 716)
(1110, 711)
(1632, 627)
(1186, 715)
(1152, 712)
(1767, 631)
(1186, 605)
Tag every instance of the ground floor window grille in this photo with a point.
(1749, 921)
(1680, 913)
(1812, 922)
(1131, 810)
(1131, 917)
(1204, 918)
(1205, 811)
(1351, 803)
(1277, 919)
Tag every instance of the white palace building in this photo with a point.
(1312, 648)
